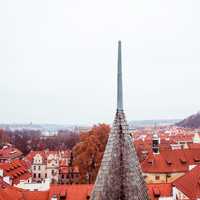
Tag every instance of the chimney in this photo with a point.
(54, 197)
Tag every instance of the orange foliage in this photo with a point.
(89, 151)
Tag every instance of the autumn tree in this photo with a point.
(26, 140)
(4, 138)
(89, 151)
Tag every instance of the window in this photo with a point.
(39, 167)
(34, 175)
(169, 162)
(168, 175)
(45, 175)
(39, 175)
(52, 172)
(157, 177)
(34, 167)
(145, 176)
(183, 160)
(63, 176)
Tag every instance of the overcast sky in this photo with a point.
(58, 59)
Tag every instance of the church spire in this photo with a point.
(120, 176)
(119, 80)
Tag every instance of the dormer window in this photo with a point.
(169, 162)
(150, 161)
(62, 195)
(156, 192)
(183, 160)
(196, 159)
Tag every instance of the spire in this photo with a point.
(119, 80)
(120, 176)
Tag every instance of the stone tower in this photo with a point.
(155, 142)
(120, 176)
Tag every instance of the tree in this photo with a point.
(89, 151)
(4, 138)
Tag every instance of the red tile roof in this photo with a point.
(16, 169)
(45, 154)
(169, 161)
(74, 192)
(189, 184)
(35, 195)
(159, 190)
(194, 146)
(9, 152)
(10, 193)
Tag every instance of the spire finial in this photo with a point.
(119, 80)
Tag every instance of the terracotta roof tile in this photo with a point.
(171, 161)
(189, 183)
(159, 190)
(17, 169)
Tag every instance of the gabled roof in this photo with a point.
(171, 161)
(189, 184)
(9, 152)
(16, 169)
(45, 154)
(159, 190)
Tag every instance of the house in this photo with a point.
(53, 165)
(169, 165)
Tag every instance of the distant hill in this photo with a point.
(192, 121)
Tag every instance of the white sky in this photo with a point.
(58, 59)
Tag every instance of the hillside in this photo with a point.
(192, 121)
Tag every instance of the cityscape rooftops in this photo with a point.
(16, 170)
(8, 153)
(189, 184)
(168, 161)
